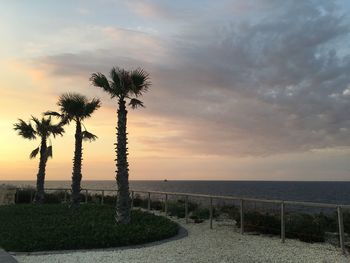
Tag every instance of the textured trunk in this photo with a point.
(123, 202)
(40, 194)
(76, 175)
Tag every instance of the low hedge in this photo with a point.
(302, 226)
(57, 227)
(308, 227)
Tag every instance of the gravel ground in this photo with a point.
(221, 244)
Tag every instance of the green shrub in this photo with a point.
(156, 205)
(262, 223)
(56, 197)
(230, 210)
(109, 200)
(176, 208)
(57, 227)
(307, 227)
(140, 202)
(203, 213)
(302, 226)
(346, 220)
(23, 196)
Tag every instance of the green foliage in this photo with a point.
(309, 227)
(262, 223)
(302, 226)
(346, 219)
(109, 200)
(123, 84)
(56, 197)
(176, 208)
(34, 153)
(140, 202)
(24, 196)
(43, 128)
(202, 213)
(230, 210)
(57, 227)
(74, 106)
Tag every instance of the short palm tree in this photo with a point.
(123, 85)
(76, 107)
(42, 129)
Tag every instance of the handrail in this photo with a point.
(242, 200)
(223, 197)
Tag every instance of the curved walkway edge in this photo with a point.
(6, 257)
(181, 234)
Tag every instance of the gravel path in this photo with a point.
(221, 244)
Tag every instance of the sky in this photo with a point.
(241, 90)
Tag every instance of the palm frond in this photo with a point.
(25, 130)
(56, 130)
(49, 151)
(36, 121)
(135, 103)
(119, 81)
(34, 153)
(72, 105)
(140, 81)
(91, 106)
(88, 136)
(100, 80)
(53, 113)
(116, 75)
(65, 120)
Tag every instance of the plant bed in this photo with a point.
(28, 228)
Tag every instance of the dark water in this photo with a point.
(325, 192)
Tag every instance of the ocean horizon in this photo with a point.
(337, 192)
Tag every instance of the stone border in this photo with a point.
(182, 233)
(6, 257)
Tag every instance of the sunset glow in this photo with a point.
(231, 99)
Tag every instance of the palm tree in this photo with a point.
(43, 129)
(123, 85)
(76, 107)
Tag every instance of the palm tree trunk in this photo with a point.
(76, 175)
(40, 194)
(123, 201)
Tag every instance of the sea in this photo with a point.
(323, 192)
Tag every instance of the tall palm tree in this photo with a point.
(76, 107)
(123, 85)
(43, 129)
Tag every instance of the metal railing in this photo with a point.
(282, 203)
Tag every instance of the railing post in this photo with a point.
(149, 202)
(283, 227)
(341, 228)
(132, 199)
(102, 197)
(86, 196)
(211, 213)
(166, 205)
(186, 209)
(65, 195)
(242, 217)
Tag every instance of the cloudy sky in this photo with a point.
(241, 90)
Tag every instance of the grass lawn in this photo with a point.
(57, 227)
